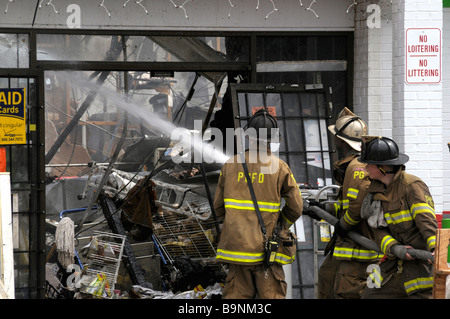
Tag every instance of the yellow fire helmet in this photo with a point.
(350, 128)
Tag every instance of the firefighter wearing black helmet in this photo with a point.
(242, 244)
(400, 210)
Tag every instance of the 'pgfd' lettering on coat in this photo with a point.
(259, 177)
(359, 174)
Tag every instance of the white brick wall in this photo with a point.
(446, 107)
(414, 115)
(361, 71)
(380, 79)
(418, 107)
(373, 75)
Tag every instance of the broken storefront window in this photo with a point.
(121, 140)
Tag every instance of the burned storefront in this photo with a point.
(152, 199)
(133, 179)
(127, 130)
(132, 159)
(109, 162)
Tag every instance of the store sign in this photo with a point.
(12, 116)
(423, 55)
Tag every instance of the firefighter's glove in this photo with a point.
(338, 229)
(401, 252)
(318, 204)
(307, 209)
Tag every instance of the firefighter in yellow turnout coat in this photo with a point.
(241, 243)
(400, 209)
(343, 273)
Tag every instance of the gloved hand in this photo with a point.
(338, 229)
(401, 252)
(314, 202)
(308, 212)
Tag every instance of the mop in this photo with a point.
(64, 240)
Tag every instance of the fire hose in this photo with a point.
(398, 250)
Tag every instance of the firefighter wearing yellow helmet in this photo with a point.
(343, 273)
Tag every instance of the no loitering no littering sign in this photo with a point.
(423, 56)
(12, 116)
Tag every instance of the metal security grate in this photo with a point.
(184, 236)
(185, 227)
(302, 113)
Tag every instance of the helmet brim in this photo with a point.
(400, 160)
(353, 144)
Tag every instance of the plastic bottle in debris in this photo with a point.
(116, 294)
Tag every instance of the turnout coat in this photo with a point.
(408, 210)
(354, 189)
(241, 239)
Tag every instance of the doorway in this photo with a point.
(23, 163)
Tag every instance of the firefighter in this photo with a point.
(242, 244)
(400, 209)
(342, 274)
